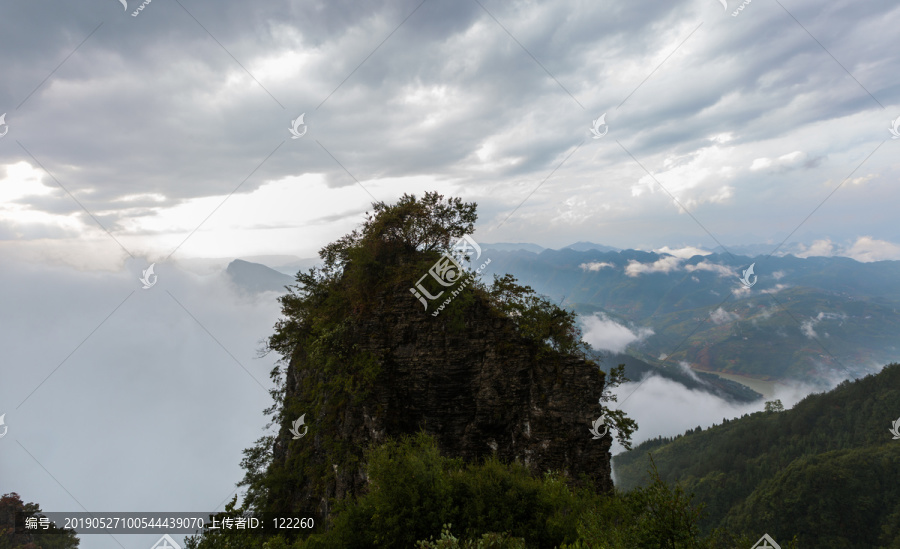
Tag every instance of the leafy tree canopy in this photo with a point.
(378, 262)
(54, 538)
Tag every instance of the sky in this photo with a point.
(163, 132)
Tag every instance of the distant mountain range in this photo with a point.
(255, 278)
(534, 248)
(806, 319)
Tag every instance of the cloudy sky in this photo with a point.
(162, 135)
(125, 134)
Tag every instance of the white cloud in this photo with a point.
(686, 252)
(595, 266)
(778, 275)
(606, 334)
(862, 179)
(662, 407)
(819, 248)
(696, 178)
(21, 218)
(686, 368)
(867, 249)
(830, 316)
(740, 291)
(721, 270)
(775, 290)
(785, 162)
(765, 314)
(721, 316)
(808, 326)
(662, 265)
(144, 359)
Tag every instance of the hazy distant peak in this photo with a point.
(255, 277)
(513, 247)
(587, 246)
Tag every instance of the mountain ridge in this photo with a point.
(803, 319)
(804, 471)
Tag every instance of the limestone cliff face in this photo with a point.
(470, 381)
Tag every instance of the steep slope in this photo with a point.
(825, 470)
(254, 277)
(470, 380)
(484, 369)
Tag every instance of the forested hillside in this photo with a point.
(826, 471)
(806, 318)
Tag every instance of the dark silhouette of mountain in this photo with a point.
(255, 278)
(534, 248)
(585, 246)
(285, 264)
(511, 247)
(790, 248)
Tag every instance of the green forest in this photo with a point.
(826, 471)
(421, 499)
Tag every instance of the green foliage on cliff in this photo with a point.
(413, 490)
(416, 493)
(825, 471)
(392, 248)
(366, 269)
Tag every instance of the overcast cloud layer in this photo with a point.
(121, 399)
(151, 121)
(129, 137)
